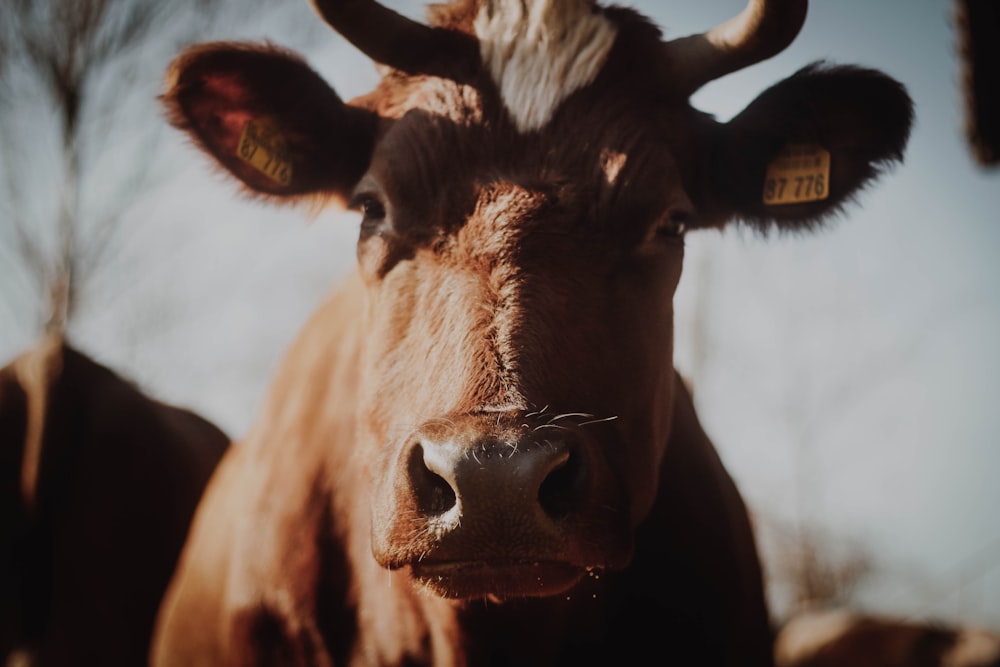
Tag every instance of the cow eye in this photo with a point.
(373, 209)
(372, 212)
(673, 226)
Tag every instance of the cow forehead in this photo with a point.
(598, 168)
(503, 217)
(539, 54)
(559, 110)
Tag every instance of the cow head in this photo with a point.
(526, 174)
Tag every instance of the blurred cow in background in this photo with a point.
(97, 486)
(840, 638)
(978, 27)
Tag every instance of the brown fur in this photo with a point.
(92, 529)
(478, 451)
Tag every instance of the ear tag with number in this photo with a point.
(799, 173)
(264, 148)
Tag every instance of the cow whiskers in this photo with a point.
(555, 426)
(567, 415)
(598, 421)
(538, 413)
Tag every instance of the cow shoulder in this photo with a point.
(695, 555)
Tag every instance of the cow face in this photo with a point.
(525, 179)
(538, 303)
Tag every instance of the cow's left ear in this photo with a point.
(269, 120)
(807, 145)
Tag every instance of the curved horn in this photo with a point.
(763, 29)
(394, 40)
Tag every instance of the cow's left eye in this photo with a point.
(674, 225)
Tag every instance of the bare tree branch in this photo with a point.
(66, 49)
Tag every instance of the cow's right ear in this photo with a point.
(270, 120)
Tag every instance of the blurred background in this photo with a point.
(850, 378)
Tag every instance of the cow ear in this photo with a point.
(269, 120)
(807, 145)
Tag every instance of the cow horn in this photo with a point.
(394, 40)
(763, 29)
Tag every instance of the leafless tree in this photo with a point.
(66, 69)
(812, 566)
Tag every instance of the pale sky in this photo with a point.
(853, 374)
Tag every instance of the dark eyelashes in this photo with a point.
(368, 205)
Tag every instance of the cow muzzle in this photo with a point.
(500, 506)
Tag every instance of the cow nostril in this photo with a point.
(433, 493)
(559, 494)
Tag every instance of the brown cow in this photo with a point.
(839, 638)
(478, 451)
(98, 487)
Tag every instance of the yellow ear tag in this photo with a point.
(263, 147)
(800, 173)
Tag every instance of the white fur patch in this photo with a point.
(539, 52)
(973, 648)
(806, 634)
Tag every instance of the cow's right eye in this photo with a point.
(372, 209)
(372, 213)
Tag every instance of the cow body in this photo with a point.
(100, 483)
(695, 578)
(478, 451)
